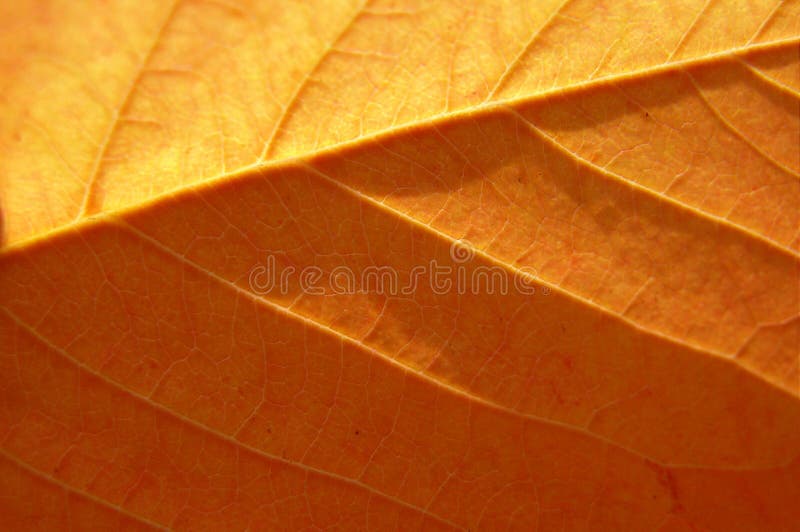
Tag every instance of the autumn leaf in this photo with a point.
(617, 183)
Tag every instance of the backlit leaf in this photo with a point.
(637, 165)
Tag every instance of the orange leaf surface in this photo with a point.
(635, 165)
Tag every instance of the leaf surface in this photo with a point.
(642, 160)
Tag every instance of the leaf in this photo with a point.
(639, 162)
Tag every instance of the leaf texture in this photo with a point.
(642, 159)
